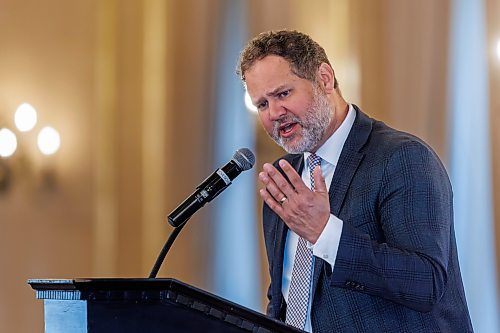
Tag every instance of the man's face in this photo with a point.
(294, 111)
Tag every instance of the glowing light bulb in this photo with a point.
(49, 140)
(8, 142)
(25, 117)
(248, 103)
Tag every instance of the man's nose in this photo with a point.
(276, 111)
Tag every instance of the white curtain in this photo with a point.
(236, 257)
(471, 162)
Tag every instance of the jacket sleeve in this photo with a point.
(414, 213)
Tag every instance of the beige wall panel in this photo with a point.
(189, 115)
(156, 126)
(45, 59)
(367, 33)
(332, 28)
(105, 222)
(264, 15)
(403, 51)
(128, 122)
(417, 37)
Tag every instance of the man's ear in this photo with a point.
(326, 77)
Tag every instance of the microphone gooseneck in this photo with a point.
(243, 159)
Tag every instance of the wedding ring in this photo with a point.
(282, 200)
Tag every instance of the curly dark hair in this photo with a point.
(301, 51)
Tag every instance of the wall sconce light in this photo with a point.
(8, 146)
(25, 120)
(8, 143)
(25, 117)
(48, 141)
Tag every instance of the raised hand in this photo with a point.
(305, 212)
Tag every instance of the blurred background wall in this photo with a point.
(134, 89)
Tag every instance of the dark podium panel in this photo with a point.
(143, 305)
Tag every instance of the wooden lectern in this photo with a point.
(143, 305)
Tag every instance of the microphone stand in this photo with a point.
(164, 251)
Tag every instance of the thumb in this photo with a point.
(319, 181)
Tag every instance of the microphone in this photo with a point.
(243, 159)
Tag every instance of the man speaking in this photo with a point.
(358, 217)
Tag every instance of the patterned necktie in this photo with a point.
(298, 297)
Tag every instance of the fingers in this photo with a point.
(272, 191)
(271, 202)
(293, 185)
(278, 187)
(276, 184)
(304, 211)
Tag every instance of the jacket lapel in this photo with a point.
(350, 158)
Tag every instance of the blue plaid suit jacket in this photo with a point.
(397, 268)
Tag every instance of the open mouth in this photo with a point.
(287, 129)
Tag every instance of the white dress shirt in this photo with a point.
(328, 242)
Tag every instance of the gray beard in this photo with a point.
(314, 125)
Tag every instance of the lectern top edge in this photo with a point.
(143, 298)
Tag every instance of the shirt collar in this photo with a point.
(331, 149)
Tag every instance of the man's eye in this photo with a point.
(284, 93)
(262, 105)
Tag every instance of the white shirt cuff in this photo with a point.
(327, 245)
